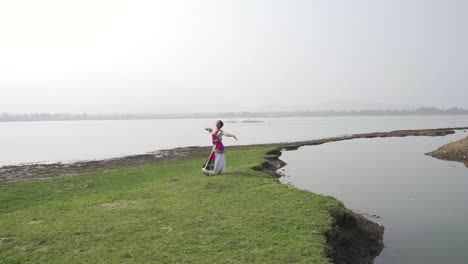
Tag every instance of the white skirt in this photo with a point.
(219, 165)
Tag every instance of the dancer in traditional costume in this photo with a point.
(216, 163)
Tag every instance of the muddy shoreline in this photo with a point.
(37, 172)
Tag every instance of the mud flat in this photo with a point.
(454, 151)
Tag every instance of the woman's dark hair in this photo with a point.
(220, 123)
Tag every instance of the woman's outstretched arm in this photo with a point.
(209, 130)
(230, 135)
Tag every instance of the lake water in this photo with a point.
(422, 201)
(26, 142)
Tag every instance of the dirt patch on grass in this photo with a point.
(455, 151)
(6, 239)
(119, 205)
(34, 222)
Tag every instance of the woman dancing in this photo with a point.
(216, 163)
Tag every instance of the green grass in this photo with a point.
(135, 215)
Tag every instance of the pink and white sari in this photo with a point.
(217, 161)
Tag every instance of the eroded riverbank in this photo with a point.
(353, 239)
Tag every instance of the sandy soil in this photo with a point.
(455, 151)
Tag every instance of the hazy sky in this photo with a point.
(183, 56)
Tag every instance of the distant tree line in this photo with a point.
(7, 117)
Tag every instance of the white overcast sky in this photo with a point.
(104, 56)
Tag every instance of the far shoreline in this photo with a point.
(65, 117)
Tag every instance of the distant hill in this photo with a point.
(6, 117)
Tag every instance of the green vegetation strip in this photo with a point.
(137, 215)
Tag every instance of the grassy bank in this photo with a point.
(135, 215)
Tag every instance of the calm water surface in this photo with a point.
(82, 140)
(422, 201)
